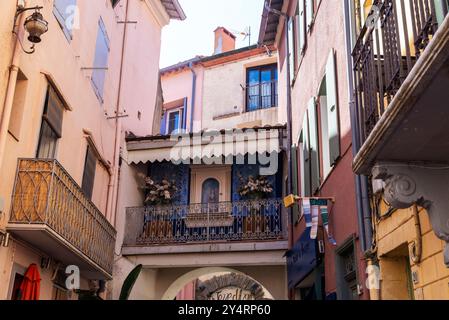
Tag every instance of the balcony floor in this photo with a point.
(49, 242)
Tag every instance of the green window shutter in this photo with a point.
(441, 8)
(314, 146)
(301, 28)
(332, 109)
(310, 12)
(306, 163)
(295, 181)
(291, 54)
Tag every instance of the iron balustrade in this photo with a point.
(45, 194)
(387, 50)
(252, 220)
(262, 95)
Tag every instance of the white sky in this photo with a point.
(183, 40)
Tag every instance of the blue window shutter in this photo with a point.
(332, 109)
(101, 60)
(63, 9)
(164, 123)
(314, 146)
(184, 115)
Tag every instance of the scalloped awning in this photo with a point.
(207, 145)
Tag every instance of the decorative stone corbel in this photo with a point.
(425, 185)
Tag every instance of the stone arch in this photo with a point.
(190, 276)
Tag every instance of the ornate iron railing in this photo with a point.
(44, 193)
(386, 51)
(256, 220)
(263, 95)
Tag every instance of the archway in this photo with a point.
(181, 282)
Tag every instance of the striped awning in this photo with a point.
(205, 145)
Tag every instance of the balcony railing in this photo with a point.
(258, 220)
(45, 194)
(263, 95)
(386, 52)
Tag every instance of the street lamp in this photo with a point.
(35, 25)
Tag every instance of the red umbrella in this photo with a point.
(30, 287)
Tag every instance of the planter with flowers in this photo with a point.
(255, 189)
(159, 195)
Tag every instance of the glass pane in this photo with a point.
(47, 142)
(210, 191)
(266, 89)
(174, 120)
(253, 90)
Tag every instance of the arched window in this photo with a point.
(210, 192)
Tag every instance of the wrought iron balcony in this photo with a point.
(263, 95)
(387, 51)
(257, 220)
(50, 211)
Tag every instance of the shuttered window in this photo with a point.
(100, 65)
(310, 9)
(295, 181)
(314, 146)
(332, 110)
(65, 11)
(306, 163)
(51, 127)
(291, 54)
(90, 166)
(301, 33)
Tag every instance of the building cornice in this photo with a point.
(158, 11)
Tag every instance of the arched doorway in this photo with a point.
(244, 284)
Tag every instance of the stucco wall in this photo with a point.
(432, 274)
(223, 96)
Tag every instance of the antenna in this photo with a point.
(246, 34)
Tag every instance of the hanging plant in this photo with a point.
(159, 193)
(258, 187)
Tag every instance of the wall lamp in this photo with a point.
(35, 25)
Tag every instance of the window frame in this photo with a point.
(273, 67)
(181, 112)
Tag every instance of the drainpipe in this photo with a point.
(114, 179)
(194, 77)
(10, 90)
(361, 182)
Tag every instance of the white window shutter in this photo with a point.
(301, 28)
(309, 8)
(332, 109)
(305, 164)
(291, 54)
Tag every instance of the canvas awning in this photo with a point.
(205, 145)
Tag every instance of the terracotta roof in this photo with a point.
(174, 9)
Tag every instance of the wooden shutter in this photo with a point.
(295, 190)
(90, 166)
(184, 116)
(62, 12)
(102, 48)
(332, 111)
(53, 111)
(306, 163)
(314, 147)
(301, 28)
(164, 123)
(441, 8)
(310, 13)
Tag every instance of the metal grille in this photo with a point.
(256, 220)
(44, 193)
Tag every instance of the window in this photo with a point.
(114, 2)
(346, 270)
(310, 161)
(100, 66)
(18, 106)
(330, 127)
(65, 12)
(210, 191)
(90, 166)
(51, 127)
(262, 88)
(174, 119)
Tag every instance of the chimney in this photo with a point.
(224, 40)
